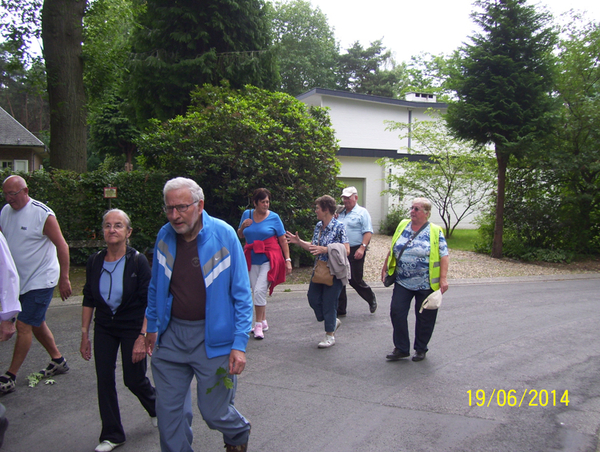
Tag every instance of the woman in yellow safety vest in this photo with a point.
(418, 263)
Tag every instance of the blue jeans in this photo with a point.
(324, 301)
(425, 322)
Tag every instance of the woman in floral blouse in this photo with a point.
(323, 299)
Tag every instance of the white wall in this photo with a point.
(373, 174)
(360, 124)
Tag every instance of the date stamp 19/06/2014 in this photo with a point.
(517, 398)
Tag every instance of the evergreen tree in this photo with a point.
(181, 44)
(370, 71)
(503, 87)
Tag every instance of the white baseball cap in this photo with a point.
(349, 191)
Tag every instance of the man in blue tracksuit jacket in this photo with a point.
(199, 314)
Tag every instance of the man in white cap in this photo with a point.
(359, 229)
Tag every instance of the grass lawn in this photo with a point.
(463, 239)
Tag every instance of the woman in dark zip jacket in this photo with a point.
(116, 287)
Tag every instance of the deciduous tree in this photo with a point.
(307, 52)
(61, 32)
(455, 176)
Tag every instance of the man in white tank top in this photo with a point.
(41, 255)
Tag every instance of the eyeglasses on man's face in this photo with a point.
(180, 208)
(417, 209)
(12, 193)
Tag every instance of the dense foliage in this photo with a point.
(77, 200)
(306, 50)
(181, 44)
(553, 195)
(503, 87)
(371, 71)
(234, 141)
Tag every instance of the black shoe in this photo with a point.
(373, 305)
(419, 356)
(341, 314)
(396, 355)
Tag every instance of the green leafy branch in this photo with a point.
(222, 377)
(34, 378)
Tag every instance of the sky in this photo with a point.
(410, 27)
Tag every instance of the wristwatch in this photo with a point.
(362, 244)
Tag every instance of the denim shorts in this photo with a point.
(34, 305)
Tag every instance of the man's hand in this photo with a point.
(150, 342)
(7, 329)
(139, 349)
(64, 286)
(237, 362)
(359, 253)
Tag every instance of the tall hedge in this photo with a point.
(78, 201)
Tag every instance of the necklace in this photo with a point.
(110, 274)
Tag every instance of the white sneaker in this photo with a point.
(338, 323)
(107, 446)
(265, 325)
(154, 421)
(258, 331)
(328, 342)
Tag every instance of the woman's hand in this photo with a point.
(288, 268)
(315, 250)
(139, 349)
(86, 348)
(443, 285)
(292, 238)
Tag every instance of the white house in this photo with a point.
(359, 124)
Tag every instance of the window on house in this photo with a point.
(6, 164)
(22, 165)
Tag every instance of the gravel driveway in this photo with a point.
(463, 265)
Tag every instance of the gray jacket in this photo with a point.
(338, 263)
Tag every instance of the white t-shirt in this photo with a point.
(33, 252)
(9, 283)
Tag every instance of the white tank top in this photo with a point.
(34, 254)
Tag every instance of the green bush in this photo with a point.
(235, 141)
(392, 219)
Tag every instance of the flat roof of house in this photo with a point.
(12, 133)
(370, 98)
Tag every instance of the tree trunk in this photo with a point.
(499, 224)
(62, 34)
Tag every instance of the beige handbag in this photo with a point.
(321, 274)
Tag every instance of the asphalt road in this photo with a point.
(498, 342)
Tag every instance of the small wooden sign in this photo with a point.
(110, 192)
